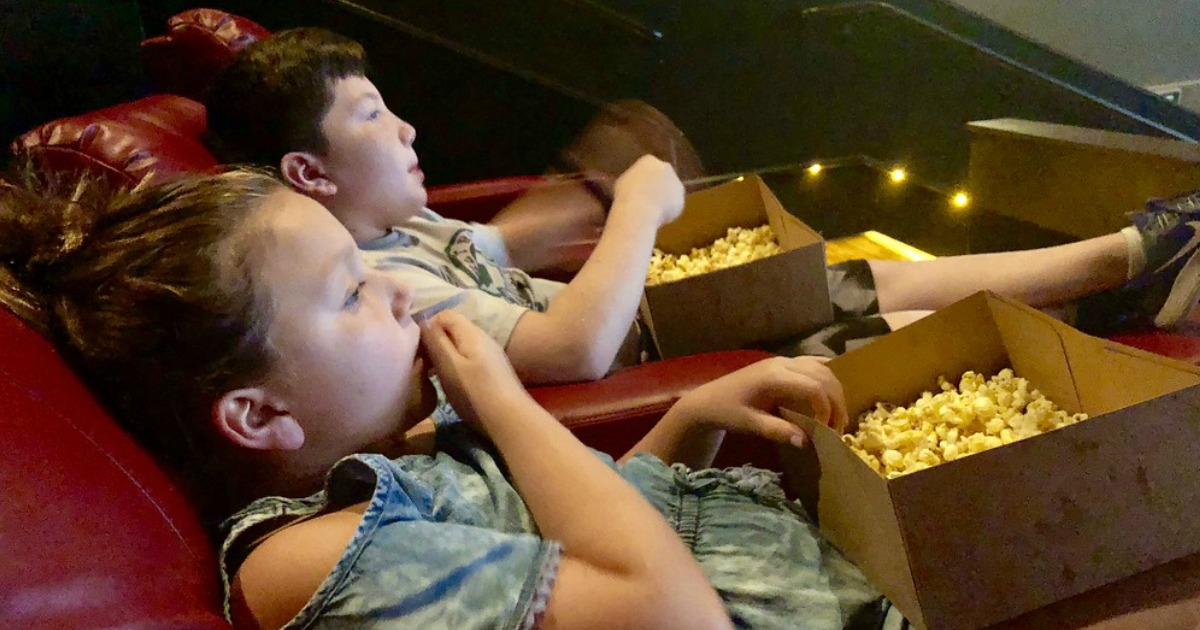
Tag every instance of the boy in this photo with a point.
(301, 100)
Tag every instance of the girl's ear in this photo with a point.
(305, 172)
(251, 419)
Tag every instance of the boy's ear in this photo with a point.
(305, 172)
(251, 419)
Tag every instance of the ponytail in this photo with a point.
(148, 293)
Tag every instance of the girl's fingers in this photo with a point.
(838, 417)
(468, 339)
(436, 338)
(449, 321)
(841, 416)
(776, 429)
(804, 391)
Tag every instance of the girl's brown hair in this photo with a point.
(150, 295)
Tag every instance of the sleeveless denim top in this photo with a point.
(446, 542)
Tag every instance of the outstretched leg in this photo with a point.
(1038, 277)
(1146, 273)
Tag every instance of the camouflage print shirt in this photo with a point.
(440, 257)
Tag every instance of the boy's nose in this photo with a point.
(408, 133)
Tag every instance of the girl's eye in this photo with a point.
(352, 299)
(373, 115)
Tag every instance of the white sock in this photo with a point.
(1135, 251)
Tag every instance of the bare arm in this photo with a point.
(746, 401)
(623, 565)
(579, 335)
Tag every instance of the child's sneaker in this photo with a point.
(1169, 284)
(1170, 231)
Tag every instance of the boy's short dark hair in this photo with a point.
(272, 97)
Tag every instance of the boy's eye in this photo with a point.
(373, 115)
(352, 299)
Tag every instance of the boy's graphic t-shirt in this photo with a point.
(440, 257)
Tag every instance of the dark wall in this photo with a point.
(498, 88)
(765, 82)
(65, 57)
(1146, 42)
(494, 88)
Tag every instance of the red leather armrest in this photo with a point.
(612, 414)
(480, 201)
(1169, 344)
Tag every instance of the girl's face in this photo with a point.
(348, 369)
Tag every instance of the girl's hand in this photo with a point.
(748, 400)
(473, 368)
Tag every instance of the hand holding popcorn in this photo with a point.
(748, 400)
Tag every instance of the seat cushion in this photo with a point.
(93, 533)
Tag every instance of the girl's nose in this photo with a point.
(402, 298)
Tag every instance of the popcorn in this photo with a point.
(737, 247)
(973, 417)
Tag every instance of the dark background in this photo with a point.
(499, 87)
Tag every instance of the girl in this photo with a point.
(230, 325)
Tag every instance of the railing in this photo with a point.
(1073, 180)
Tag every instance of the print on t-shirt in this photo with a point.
(510, 284)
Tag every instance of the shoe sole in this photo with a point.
(1184, 293)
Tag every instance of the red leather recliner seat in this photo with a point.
(95, 534)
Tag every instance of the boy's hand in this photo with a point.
(651, 182)
(748, 400)
(474, 371)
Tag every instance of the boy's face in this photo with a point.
(370, 160)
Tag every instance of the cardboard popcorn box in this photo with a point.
(766, 300)
(981, 539)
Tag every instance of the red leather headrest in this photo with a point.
(157, 136)
(198, 44)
